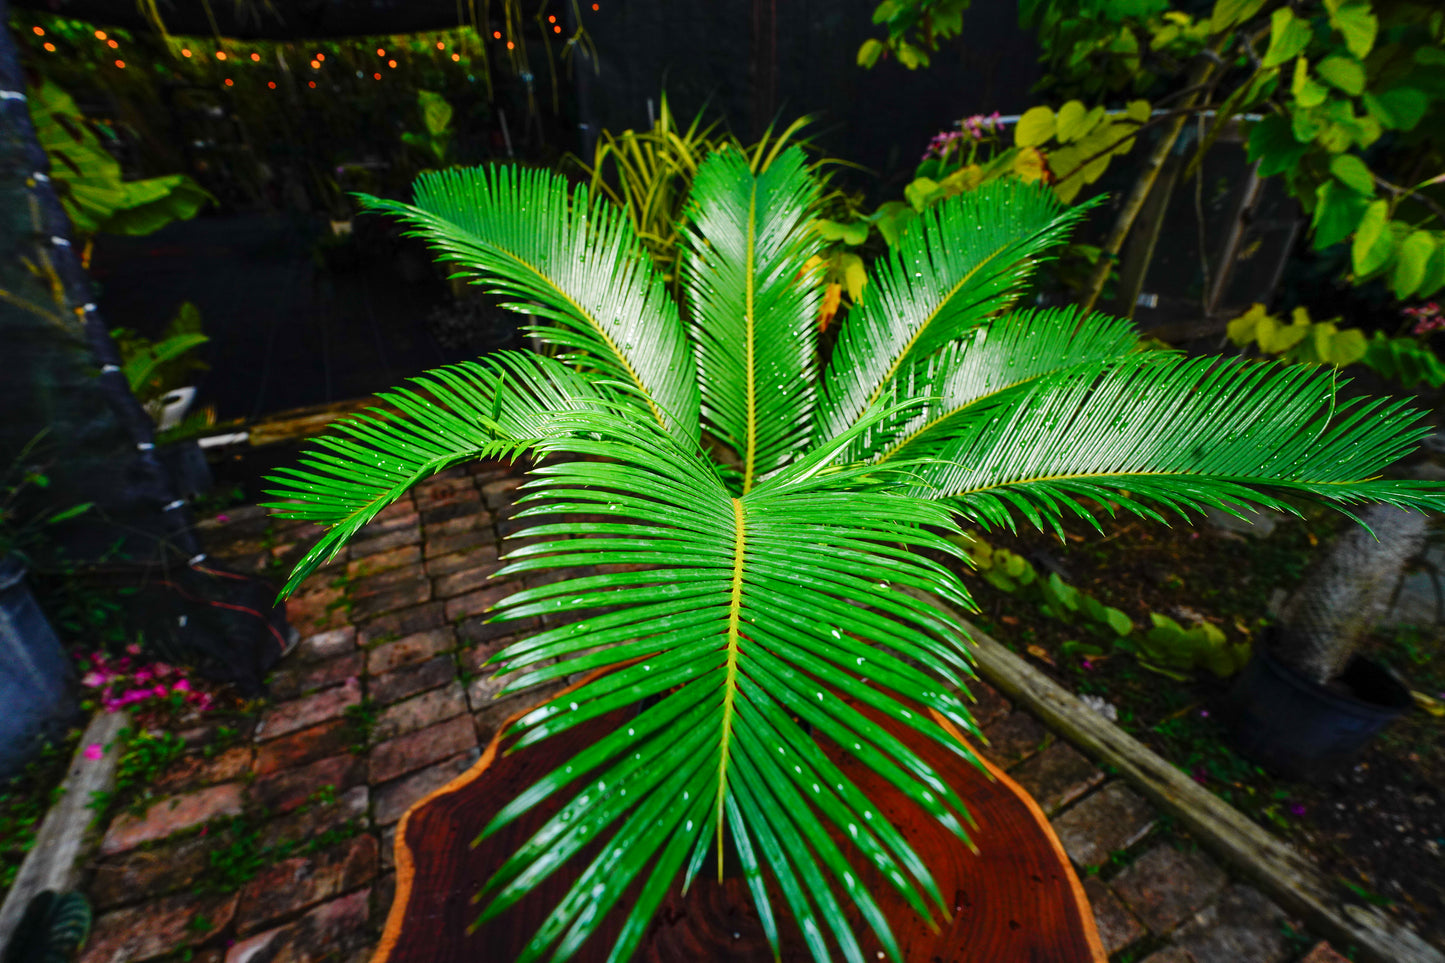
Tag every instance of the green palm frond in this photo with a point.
(958, 263)
(1000, 356)
(747, 614)
(493, 408)
(1181, 434)
(526, 236)
(753, 309)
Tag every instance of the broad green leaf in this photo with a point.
(1434, 276)
(1356, 22)
(1288, 37)
(1345, 73)
(1072, 121)
(1346, 347)
(1035, 127)
(1228, 13)
(1351, 171)
(1241, 331)
(1307, 92)
(1118, 621)
(910, 56)
(1399, 108)
(1373, 243)
(1410, 263)
(869, 53)
(436, 113)
(1273, 146)
(920, 191)
(1138, 111)
(1337, 213)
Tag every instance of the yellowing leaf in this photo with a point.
(1035, 127)
(1138, 111)
(1029, 165)
(1373, 244)
(854, 275)
(868, 53)
(832, 298)
(1241, 330)
(1288, 37)
(1072, 121)
(1356, 23)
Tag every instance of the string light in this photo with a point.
(230, 82)
(380, 52)
(256, 57)
(596, 7)
(552, 19)
(271, 84)
(120, 64)
(456, 57)
(100, 35)
(496, 35)
(220, 55)
(510, 45)
(315, 65)
(321, 57)
(556, 29)
(376, 76)
(39, 31)
(441, 46)
(112, 44)
(391, 64)
(311, 84)
(185, 52)
(50, 46)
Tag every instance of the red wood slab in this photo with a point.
(1015, 901)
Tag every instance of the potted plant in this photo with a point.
(751, 512)
(35, 674)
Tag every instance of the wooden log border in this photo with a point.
(1281, 871)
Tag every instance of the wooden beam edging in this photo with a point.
(66, 835)
(1281, 871)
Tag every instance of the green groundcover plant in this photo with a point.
(753, 510)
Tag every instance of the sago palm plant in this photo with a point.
(753, 511)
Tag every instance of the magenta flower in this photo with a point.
(94, 751)
(180, 686)
(93, 680)
(133, 649)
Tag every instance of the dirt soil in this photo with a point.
(1377, 826)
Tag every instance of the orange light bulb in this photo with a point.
(39, 31)
(256, 57)
(220, 55)
(50, 46)
(100, 35)
(120, 64)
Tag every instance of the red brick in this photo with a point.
(500, 492)
(195, 769)
(474, 659)
(304, 746)
(989, 707)
(327, 645)
(1117, 927)
(476, 518)
(419, 712)
(385, 561)
(400, 508)
(308, 711)
(446, 491)
(317, 611)
(170, 816)
(414, 750)
(297, 679)
(1323, 952)
(286, 790)
(432, 615)
(447, 544)
(478, 602)
(391, 801)
(303, 881)
(412, 592)
(408, 681)
(331, 928)
(384, 581)
(467, 580)
(1057, 776)
(308, 822)
(482, 556)
(1014, 738)
(1165, 886)
(410, 650)
(385, 526)
(386, 543)
(151, 929)
(143, 873)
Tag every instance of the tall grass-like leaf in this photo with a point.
(754, 308)
(1182, 434)
(571, 258)
(960, 262)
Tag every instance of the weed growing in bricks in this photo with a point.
(362, 720)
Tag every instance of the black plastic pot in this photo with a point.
(37, 692)
(1297, 728)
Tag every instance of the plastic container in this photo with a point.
(37, 690)
(1297, 728)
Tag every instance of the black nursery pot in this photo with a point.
(1302, 730)
(37, 699)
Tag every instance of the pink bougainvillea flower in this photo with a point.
(180, 685)
(133, 649)
(93, 680)
(94, 751)
(144, 675)
(223, 518)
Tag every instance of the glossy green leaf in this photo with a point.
(1288, 37)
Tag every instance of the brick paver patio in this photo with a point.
(385, 699)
